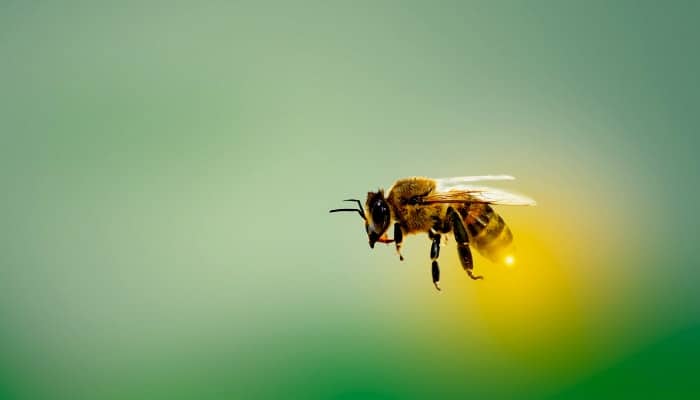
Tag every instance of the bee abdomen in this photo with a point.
(488, 232)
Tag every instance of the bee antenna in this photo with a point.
(351, 210)
(362, 211)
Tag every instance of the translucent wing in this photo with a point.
(445, 184)
(454, 190)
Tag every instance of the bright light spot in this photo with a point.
(510, 260)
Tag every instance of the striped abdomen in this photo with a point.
(488, 232)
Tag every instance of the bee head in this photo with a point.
(378, 218)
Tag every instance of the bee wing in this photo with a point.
(477, 194)
(445, 184)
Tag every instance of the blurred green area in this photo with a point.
(167, 167)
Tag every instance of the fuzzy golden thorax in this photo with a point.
(403, 199)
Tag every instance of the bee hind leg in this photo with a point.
(462, 239)
(434, 254)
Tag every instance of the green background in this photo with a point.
(166, 171)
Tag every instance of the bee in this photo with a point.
(438, 207)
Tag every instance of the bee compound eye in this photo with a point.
(380, 211)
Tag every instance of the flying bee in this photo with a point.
(438, 207)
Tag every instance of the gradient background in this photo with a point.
(166, 171)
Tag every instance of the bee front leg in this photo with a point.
(398, 239)
(434, 254)
(462, 239)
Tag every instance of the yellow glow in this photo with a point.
(510, 260)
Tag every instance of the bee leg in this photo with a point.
(434, 254)
(398, 239)
(462, 239)
(436, 274)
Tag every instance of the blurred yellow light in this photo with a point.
(510, 260)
